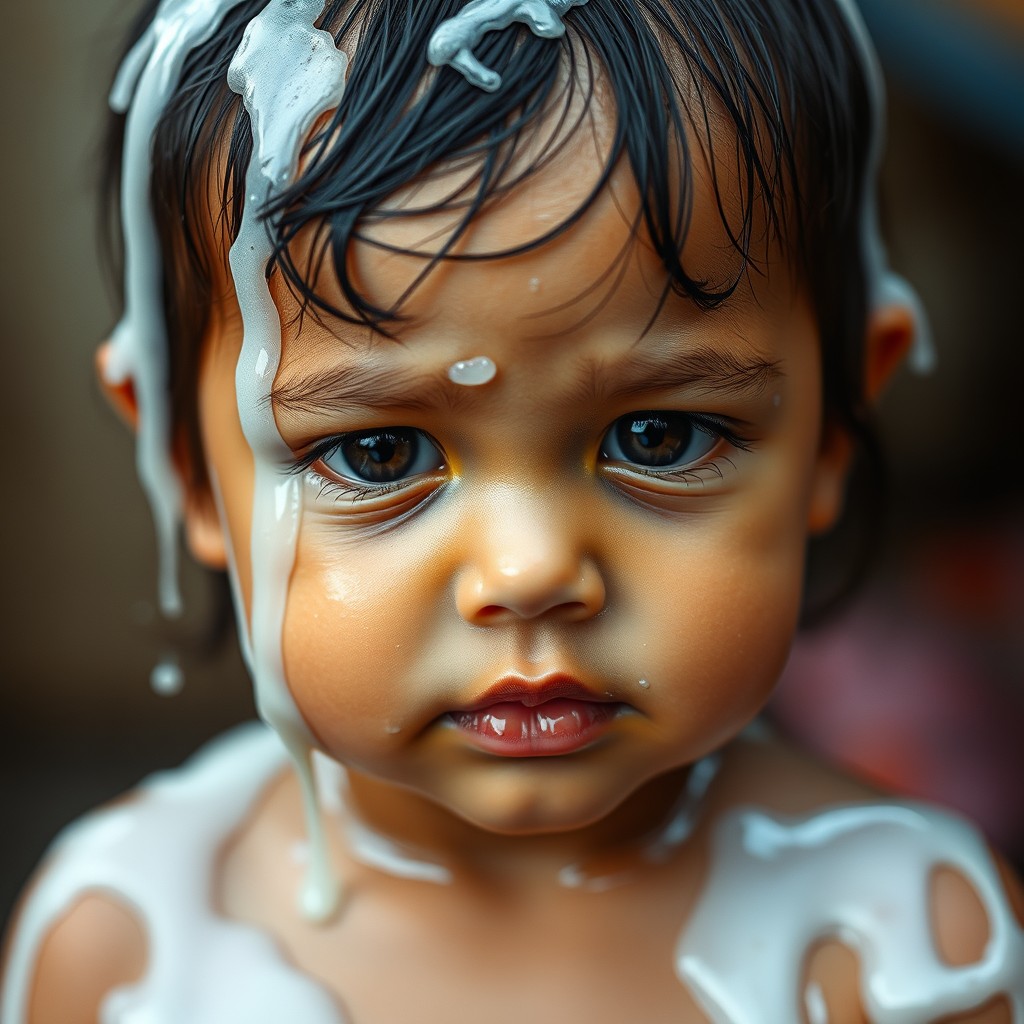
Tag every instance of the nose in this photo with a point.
(528, 561)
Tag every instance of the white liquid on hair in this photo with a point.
(454, 40)
(288, 74)
(884, 286)
(138, 351)
(859, 874)
(156, 855)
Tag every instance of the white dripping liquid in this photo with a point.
(658, 847)
(156, 855)
(859, 874)
(138, 351)
(184, 821)
(884, 286)
(288, 74)
(454, 40)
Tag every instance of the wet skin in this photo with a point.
(614, 507)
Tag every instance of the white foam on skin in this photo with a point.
(138, 350)
(288, 74)
(859, 874)
(155, 854)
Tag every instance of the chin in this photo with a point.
(544, 805)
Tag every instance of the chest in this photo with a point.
(437, 955)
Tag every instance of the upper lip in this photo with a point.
(531, 692)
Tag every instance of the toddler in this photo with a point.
(507, 355)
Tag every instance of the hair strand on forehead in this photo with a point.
(768, 100)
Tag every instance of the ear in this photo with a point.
(889, 337)
(828, 489)
(890, 333)
(204, 533)
(120, 393)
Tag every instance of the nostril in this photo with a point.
(492, 612)
(570, 610)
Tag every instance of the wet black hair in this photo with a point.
(777, 88)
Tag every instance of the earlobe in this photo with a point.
(829, 487)
(204, 532)
(120, 393)
(890, 334)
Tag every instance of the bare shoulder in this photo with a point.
(837, 851)
(131, 877)
(96, 946)
(963, 928)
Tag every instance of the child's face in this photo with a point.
(567, 521)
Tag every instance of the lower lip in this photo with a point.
(511, 729)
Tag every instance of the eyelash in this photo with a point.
(713, 426)
(336, 489)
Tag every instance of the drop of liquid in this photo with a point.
(393, 730)
(534, 284)
(644, 684)
(472, 372)
(167, 679)
(814, 1003)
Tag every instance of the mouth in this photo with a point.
(536, 718)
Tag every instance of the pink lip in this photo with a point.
(536, 718)
(531, 692)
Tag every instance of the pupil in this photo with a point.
(653, 440)
(649, 433)
(382, 457)
(380, 449)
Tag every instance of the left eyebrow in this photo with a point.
(702, 370)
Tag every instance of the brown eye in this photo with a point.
(658, 440)
(383, 456)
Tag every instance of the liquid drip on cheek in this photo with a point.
(154, 854)
(288, 74)
(859, 874)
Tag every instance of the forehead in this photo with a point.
(568, 238)
(585, 305)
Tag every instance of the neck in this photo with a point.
(647, 826)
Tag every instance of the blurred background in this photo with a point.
(918, 686)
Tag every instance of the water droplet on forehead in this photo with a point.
(472, 372)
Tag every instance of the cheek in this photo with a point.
(359, 620)
(717, 617)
